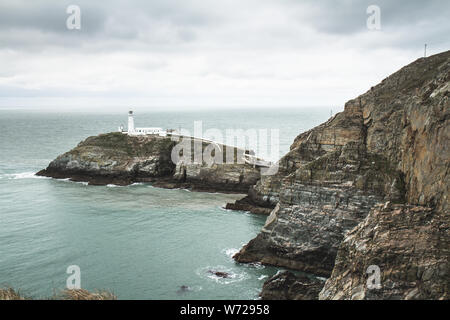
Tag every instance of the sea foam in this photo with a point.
(230, 252)
(22, 175)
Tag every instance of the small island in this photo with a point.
(145, 155)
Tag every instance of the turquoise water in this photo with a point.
(138, 241)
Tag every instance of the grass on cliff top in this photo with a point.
(130, 145)
(410, 77)
(140, 146)
(79, 294)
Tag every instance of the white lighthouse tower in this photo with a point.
(141, 131)
(130, 122)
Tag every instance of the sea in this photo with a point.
(138, 241)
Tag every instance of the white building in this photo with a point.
(140, 131)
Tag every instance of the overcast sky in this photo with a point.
(209, 54)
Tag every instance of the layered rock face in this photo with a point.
(409, 244)
(389, 144)
(288, 286)
(121, 159)
(319, 202)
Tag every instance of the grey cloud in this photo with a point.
(163, 23)
(187, 44)
(101, 21)
(350, 16)
(47, 16)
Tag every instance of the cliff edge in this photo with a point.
(388, 145)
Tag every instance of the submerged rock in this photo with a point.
(220, 274)
(184, 289)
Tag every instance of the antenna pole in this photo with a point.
(425, 52)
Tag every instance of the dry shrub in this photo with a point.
(10, 294)
(81, 294)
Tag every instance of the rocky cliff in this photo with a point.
(389, 144)
(288, 286)
(117, 158)
(409, 244)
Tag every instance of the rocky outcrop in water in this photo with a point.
(117, 158)
(246, 204)
(114, 158)
(389, 144)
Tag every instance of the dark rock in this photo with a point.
(220, 274)
(409, 244)
(246, 204)
(183, 289)
(288, 286)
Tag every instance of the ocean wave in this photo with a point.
(22, 175)
(255, 265)
(111, 185)
(253, 293)
(84, 183)
(196, 288)
(230, 252)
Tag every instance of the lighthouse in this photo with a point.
(132, 131)
(130, 122)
